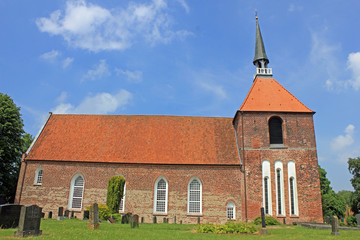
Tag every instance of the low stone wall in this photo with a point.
(323, 226)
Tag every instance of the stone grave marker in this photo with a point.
(198, 220)
(154, 219)
(50, 214)
(125, 218)
(180, 221)
(61, 213)
(334, 226)
(358, 219)
(85, 215)
(43, 215)
(142, 219)
(264, 231)
(9, 215)
(174, 220)
(72, 214)
(66, 213)
(29, 222)
(94, 216)
(134, 221)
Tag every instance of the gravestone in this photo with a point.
(142, 219)
(180, 221)
(61, 213)
(134, 221)
(358, 219)
(334, 226)
(125, 218)
(72, 214)
(66, 213)
(154, 219)
(43, 215)
(174, 220)
(50, 214)
(165, 220)
(198, 220)
(94, 216)
(9, 215)
(29, 222)
(85, 214)
(263, 223)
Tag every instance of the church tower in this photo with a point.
(276, 142)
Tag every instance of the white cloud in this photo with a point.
(50, 56)
(89, 26)
(184, 5)
(293, 8)
(216, 89)
(342, 141)
(101, 103)
(63, 96)
(354, 66)
(101, 70)
(131, 76)
(67, 62)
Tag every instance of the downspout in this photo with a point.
(23, 177)
(244, 170)
(237, 146)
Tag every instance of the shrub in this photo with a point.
(104, 212)
(351, 221)
(268, 221)
(229, 227)
(115, 192)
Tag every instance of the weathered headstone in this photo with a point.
(174, 220)
(72, 214)
(29, 222)
(9, 215)
(142, 219)
(165, 220)
(180, 221)
(263, 223)
(43, 215)
(334, 226)
(358, 219)
(134, 221)
(198, 220)
(85, 214)
(50, 214)
(94, 216)
(125, 218)
(66, 213)
(61, 213)
(154, 219)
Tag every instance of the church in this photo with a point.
(211, 169)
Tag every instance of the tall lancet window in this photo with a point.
(293, 200)
(161, 195)
(76, 192)
(195, 196)
(266, 187)
(275, 130)
(280, 203)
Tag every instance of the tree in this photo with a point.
(332, 203)
(354, 169)
(346, 195)
(115, 193)
(11, 146)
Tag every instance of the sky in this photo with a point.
(182, 57)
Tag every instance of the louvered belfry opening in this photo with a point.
(275, 130)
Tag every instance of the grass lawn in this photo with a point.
(77, 229)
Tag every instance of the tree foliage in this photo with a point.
(332, 204)
(11, 146)
(354, 169)
(115, 192)
(346, 195)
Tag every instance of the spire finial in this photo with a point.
(256, 16)
(260, 59)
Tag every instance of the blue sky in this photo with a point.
(182, 57)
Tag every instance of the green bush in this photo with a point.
(104, 212)
(351, 221)
(268, 221)
(229, 227)
(117, 217)
(115, 192)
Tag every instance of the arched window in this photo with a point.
(161, 195)
(275, 130)
(294, 208)
(122, 201)
(76, 192)
(280, 203)
(195, 196)
(230, 210)
(39, 176)
(266, 187)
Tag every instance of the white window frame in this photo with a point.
(122, 201)
(266, 174)
(292, 174)
(39, 173)
(279, 165)
(188, 199)
(72, 185)
(156, 193)
(231, 206)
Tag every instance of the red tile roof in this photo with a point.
(267, 95)
(137, 139)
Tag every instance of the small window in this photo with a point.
(161, 195)
(275, 130)
(76, 192)
(194, 196)
(39, 176)
(293, 208)
(230, 210)
(122, 201)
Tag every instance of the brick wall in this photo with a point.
(299, 146)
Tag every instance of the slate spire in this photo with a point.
(260, 59)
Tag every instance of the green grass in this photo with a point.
(76, 229)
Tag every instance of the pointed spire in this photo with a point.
(260, 59)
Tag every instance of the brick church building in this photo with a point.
(215, 168)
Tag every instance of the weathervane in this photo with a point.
(256, 16)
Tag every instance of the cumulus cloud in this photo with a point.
(101, 103)
(50, 56)
(101, 70)
(354, 66)
(90, 26)
(131, 76)
(342, 141)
